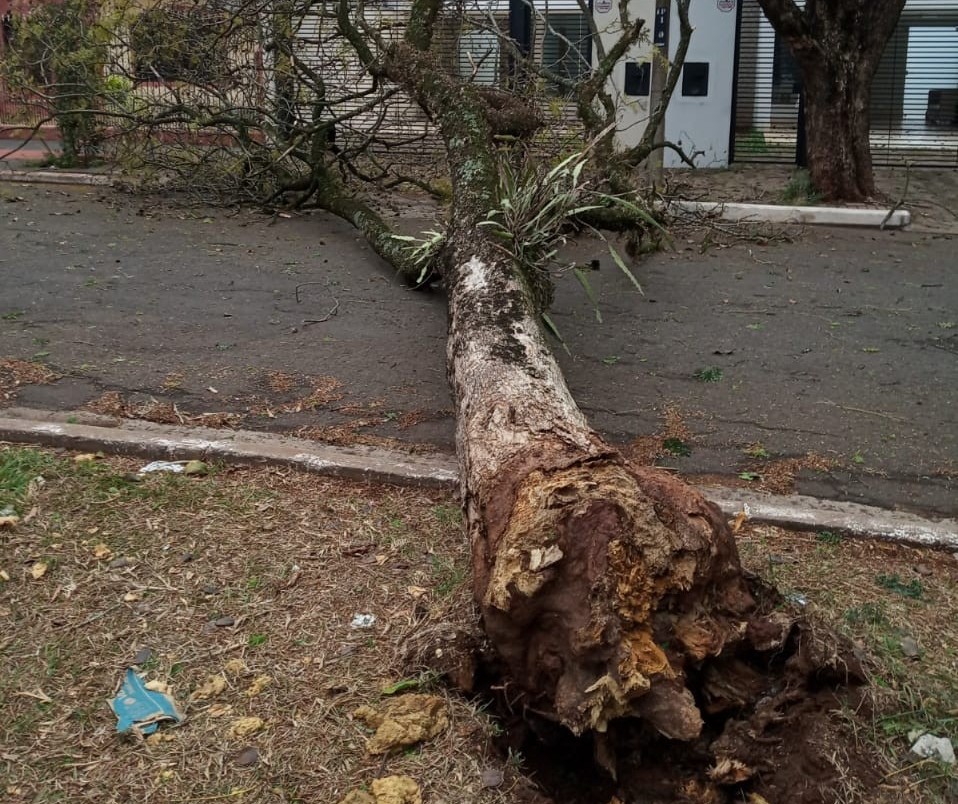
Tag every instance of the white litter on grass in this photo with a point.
(163, 466)
(928, 746)
(363, 621)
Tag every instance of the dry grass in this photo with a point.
(14, 373)
(113, 403)
(290, 558)
(349, 434)
(674, 437)
(880, 595)
(153, 564)
(778, 475)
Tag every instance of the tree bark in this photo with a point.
(598, 581)
(837, 126)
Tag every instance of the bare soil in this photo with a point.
(238, 589)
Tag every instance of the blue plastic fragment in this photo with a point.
(138, 708)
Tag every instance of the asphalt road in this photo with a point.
(843, 343)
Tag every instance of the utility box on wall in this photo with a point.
(699, 116)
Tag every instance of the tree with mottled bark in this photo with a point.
(837, 45)
(608, 590)
(600, 583)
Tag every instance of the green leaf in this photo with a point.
(676, 446)
(749, 476)
(401, 686)
(617, 258)
(710, 374)
(587, 287)
(550, 325)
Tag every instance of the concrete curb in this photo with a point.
(811, 513)
(88, 432)
(775, 213)
(160, 441)
(728, 211)
(42, 177)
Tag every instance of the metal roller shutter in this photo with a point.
(914, 104)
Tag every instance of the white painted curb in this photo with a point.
(42, 177)
(775, 213)
(440, 470)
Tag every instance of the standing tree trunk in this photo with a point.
(837, 45)
(837, 120)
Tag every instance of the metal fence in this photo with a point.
(914, 103)
(17, 111)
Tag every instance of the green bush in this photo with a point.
(58, 53)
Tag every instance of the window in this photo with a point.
(567, 46)
(176, 44)
(479, 57)
(695, 79)
(638, 78)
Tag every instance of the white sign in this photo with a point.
(603, 6)
(725, 5)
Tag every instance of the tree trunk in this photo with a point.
(597, 580)
(837, 127)
(837, 45)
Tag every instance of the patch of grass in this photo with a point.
(19, 468)
(448, 575)
(848, 587)
(866, 614)
(800, 190)
(13, 315)
(357, 547)
(447, 514)
(756, 451)
(751, 143)
(829, 537)
(677, 447)
(708, 374)
(893, 583)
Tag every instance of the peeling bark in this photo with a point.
(597, 580)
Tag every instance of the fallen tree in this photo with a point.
(609, 591)
(598, 581)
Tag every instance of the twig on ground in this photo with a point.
(304, 284)
(866, 411)
(900, 201)
(325, 318)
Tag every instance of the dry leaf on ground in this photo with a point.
(246, 726)
(259, 684)
(388, 790)
(214, 686)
